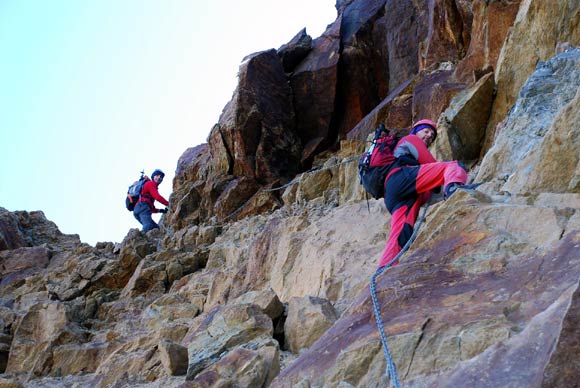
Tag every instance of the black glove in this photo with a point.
(163, 210)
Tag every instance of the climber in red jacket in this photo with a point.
(410, 182)
(145, 207)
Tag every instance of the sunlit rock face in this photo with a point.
(260, 273)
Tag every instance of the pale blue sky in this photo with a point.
(93, 91)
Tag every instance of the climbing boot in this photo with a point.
(452, 188)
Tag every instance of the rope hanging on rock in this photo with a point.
(313, 171)
(391, 370)
(293, 181)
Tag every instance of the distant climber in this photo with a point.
(145, 207)
(410, 182)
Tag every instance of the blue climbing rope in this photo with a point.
(391, 368)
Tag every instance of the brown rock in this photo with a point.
(174, 271)
(9, 383)
(448, 31)
(400, 112)
(266, 299)
(169, 308)
(308, 319)
(226, 285)
(537, 29)
(349, 185)
(45, 326)
(504, 308)
(187, 205)
(462, 133)
(188, 164)
(116, 273)
(263, 201)
(256, 126)
(148, 278)
(364, 78)
(314, 87)
(310, 150)
(224, 329)
(240, 367)
(535, 149)
(173, 357)
(491, 24)
(313, 185)
(432, 94)
(380, 113)
(289, 193)
(195, 287)
(10, 235)
(405, 27)
(562, 370)
(74, 359)
(20, 263)
(30, 229)
(293, 52)
(235, 194)
(129, 366)
(271, 355)
(38, 230)
(486, 296)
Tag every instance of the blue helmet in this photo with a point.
(157, 172)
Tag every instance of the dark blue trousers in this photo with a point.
(142, 213)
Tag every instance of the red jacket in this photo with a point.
(412, 146)
(149, 194)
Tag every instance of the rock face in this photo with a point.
(260, 276)
(538, 132)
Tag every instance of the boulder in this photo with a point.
(536, 139)
(116, 273)
(266, 299)
(187, 200)
(463, 128)
(539, 27)
(313, 185)
(17, 264)
(293, 52)
(256, 125)
(490, 26)
(10, 235)
(149, 277)
(10, 383)
(364, 78)
(308, 319)
(168, 309)
(222, 330)
(381, 113)
(349, 186)
(74, 358)
(433, 93)
(44, 327)
(240, 367)
(173, 357)
(313, 85)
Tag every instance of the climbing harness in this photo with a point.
(391, 370)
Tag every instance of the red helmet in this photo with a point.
(422, 124)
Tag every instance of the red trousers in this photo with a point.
(406, 189)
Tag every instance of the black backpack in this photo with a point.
(134, 192)
(377, 161)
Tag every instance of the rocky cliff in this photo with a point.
(260, 274)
